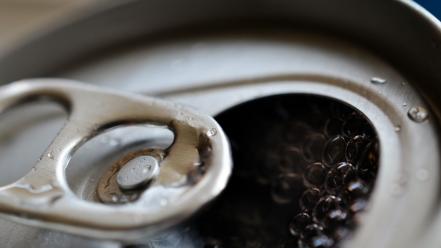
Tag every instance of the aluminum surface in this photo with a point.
(44, 198)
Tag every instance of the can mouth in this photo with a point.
(305, 166)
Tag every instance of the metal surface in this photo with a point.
(264, 48)
(137, 172)
(43, 198)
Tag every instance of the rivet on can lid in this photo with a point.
(138, 171)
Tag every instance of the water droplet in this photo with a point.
(404, 104)
(43, 189)
(114, 198)
(50, 155)
(397, 128)
(115, 142)
(111, 141)
(188, 118)
(211, 132)
(378, 80)
(422, 174)
(418, 114)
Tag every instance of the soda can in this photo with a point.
(330, 109)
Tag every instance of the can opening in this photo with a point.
(304, 167)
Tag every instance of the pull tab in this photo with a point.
(43, 198)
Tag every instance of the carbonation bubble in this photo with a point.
(335, 218)
(339, 177)
(286, 188)
(309, 198)
(313, 147)
(355, 147)
(321, 241)
(311, 230)
(358, 205)
(368, 162)
(212, 243)
(272, 164)
(295, 132)
(356, 189)
(325, 205)
(341, 233)
(292, 159)
(334, 150)
(315, 173)
(298, 223)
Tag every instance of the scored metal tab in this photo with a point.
(43, 198)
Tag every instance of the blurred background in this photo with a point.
(18, 18)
